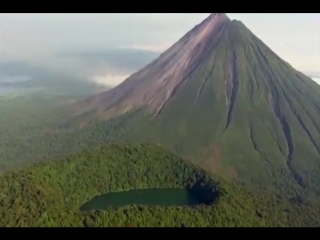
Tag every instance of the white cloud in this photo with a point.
(317, 80)
(152, 48)
(109, 80)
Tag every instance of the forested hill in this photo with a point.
(51, 193)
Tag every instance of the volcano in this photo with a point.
(222, 98)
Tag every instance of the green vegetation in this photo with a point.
(148, 197)
(33, 127)
(38, 127)
(51, 193)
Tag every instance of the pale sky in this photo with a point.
(35, 37)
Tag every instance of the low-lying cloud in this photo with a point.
(109, 80)
(152, 48)
(109, 67)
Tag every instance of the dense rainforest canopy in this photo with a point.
(51, 193)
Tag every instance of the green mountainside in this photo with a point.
(51, 193)
(221, 98)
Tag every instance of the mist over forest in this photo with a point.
(97, 69)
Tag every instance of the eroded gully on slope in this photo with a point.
(283, 122)
(231, 88)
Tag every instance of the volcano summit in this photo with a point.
(220, 97)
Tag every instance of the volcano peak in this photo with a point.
(153, 85)
(218, 16)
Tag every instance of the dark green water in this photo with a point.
(149, 197)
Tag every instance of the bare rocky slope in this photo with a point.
(153, 85)
(222, 98)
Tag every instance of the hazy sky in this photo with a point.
(35, 37)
